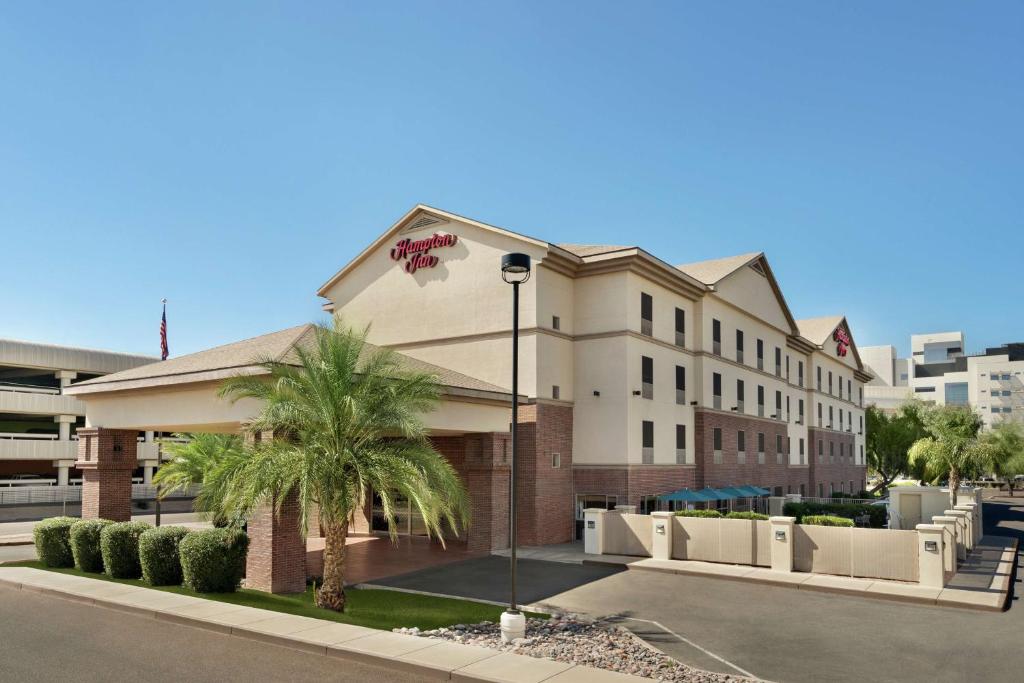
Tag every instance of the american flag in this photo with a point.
(163, 334)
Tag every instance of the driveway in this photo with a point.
(776, 633)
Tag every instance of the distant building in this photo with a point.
(38, 421)
(939, 371)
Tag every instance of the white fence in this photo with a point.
(34, 495)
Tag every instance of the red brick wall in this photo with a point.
(632, 482)
(482, 460)
(545, 492)
(277, 552)
(840, 471)
(106, 458)
(730, 472)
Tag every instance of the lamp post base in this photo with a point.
(513, 625)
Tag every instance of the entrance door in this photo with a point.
(407, 522)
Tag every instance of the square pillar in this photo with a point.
(661, 535)
(975, 511)
(63, 467)
(593, 531)
(930, 555)
(968, 524)
(782, 543)
(276, 562)
(950, 542)
(64, 423)
(106, 458)
(961, 532)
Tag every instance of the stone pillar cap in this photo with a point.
(932, 528)
(662, 513)
(782, 520)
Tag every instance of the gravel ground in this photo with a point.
(578, 640)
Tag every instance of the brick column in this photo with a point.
(276, 562)
(546, 508)
(106, 458)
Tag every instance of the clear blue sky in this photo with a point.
(232, 156)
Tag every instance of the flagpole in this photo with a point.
(159, 446)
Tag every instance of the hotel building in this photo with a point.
(39, 420)
(639, 377)
(939, 371)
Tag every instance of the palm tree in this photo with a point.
(350, 420)
(206, 459)
(952, 446)
(1006, 441)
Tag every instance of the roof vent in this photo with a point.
(423, 221)
(758, 265)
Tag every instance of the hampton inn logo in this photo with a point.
(416, 253)
(842, 340)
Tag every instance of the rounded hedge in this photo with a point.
(826, 520)
(119, 544)
(158, 555)
(714, 514)
(746, 515)
(85, 544)
(213, 560)
(53, 541)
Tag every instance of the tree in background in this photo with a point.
(888, 441)
(351, 419)
(206, 459)
(952, 448)
(1006, 444)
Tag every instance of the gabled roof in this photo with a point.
(585, 250)
(818, 331)
(711, 271)
(242, 357)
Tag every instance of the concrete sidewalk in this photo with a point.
(437, 659)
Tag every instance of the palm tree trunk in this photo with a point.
(954, 485)
(332, 593)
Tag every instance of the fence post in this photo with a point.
(593, 531)
(950, 540)
(968, 510)
(975, 511)
(961, 532)
(931, 555)
(661, 535)
(782, 543)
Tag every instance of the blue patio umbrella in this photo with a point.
(685, 495)
(717, 494)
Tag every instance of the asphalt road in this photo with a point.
(780, 634)
(45, 638)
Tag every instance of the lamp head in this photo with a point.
(515, 268)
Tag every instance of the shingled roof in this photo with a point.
(817, 330)
(711, 271)
(242, 357)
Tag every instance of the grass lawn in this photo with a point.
(381, 609)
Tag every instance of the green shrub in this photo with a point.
(85, 544)
(876, 513)
(746, 515)
(213, 560)
(827, 520)
(120, 546)
(158, 555)
(53, 541)
(714, 514)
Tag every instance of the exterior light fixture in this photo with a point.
(515, 270)
(780, 535)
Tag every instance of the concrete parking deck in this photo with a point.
(402, 653)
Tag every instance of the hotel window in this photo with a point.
(840, 419)
(840, 387)
(680, 327)
(760, 401)
(830, 417)
(787, 367)
(760, 448)
(778, 449)
(801, 450)
(849, 391)
(680, 444)
(819, 378)
(556, 322)
(716, 446)
(646, 314)
(821, 490)
(739, 346)
(741, 447)
(851, 486)
(820, 423)
(555, 391)
(803, 489)
(829, 382)
(787, 410)
(821, 451)
(716, 391)
(647, 377)
(860, 396)
(800, 372)
(778, 362)
(680, 385)
(800, 412)
(831, 452)
(647, 445)
(716, 337)
(739, 396)
(778, 405)
(861, 454)
(556, 460)
(760, 354)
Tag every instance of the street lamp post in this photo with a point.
(515, 270)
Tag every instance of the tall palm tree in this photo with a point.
(350, 420)
(206, 459)
(952, 446)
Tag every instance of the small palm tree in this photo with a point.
(952, 446)
(203, 459)
(1006, 441)
(350, 418)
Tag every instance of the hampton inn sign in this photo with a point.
(416, 254)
